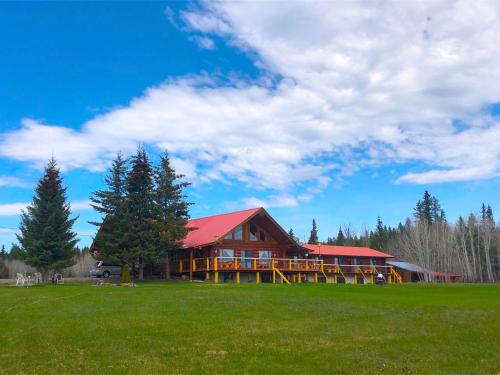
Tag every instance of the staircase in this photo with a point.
(397, 277)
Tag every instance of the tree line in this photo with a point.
(144, 212)
(470, 246)
(143, 216)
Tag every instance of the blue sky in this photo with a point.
(339, 113)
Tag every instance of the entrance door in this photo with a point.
(246, 259)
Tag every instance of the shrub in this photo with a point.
(125, 278)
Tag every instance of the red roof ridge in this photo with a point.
(361, 251)
(226, 213)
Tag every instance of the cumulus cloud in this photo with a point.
(12, 182)
(203, 42)
(14, 209)
(357, 85)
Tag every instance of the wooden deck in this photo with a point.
(284, 270)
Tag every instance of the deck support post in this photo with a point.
(335, 279)
(216, 273)
(180, 266)
(300, 278)
(257, 277)
(274, 276)
(389, 279)
(207, 275)
(371, 278)
(315, 277)
(237, 277)
(191, 265)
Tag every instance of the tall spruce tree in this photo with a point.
(3, 252)
(340, 241)
(171, 210)
(429, 210)
(313, 237)
(46, 234)
(110, 242)
(141, 233)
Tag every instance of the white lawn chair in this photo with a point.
(59, 278)
(21, 279)
(38, 278)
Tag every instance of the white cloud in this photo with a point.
(12, 209)
(271, 202)
(361, 85)
(12, 182)
(203, 42)
(82, 205)
(7, 231)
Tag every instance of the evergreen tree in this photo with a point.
(340, 241)
(110, 242)
(140, 226)
(46, 228)
(3, 252)
(429, 210)
(16, 252)
(171, 211)
(313, 238)
(489, 214)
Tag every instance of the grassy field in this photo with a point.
(179, 328)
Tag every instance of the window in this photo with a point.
(262, 236)
(253, 232)
(226, 255)
(265, 256)
(336, 260)
(246, 259)
(238, 233)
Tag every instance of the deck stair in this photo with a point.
(397, 277)
(359, 270)
(280, 274)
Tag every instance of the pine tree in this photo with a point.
(140, 226)
(313, 238)
(340, 241)
(16, 252)
(429, 209)
(46, 228)
(171, 211)
(110, 242)
(3, 252)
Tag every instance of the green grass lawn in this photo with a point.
(180, 327)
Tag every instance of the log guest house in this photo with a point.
(250, 246)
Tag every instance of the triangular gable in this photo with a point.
(210, 229)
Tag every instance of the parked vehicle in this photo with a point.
(101, 269)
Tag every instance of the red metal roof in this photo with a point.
(346, 251)
(207, 230)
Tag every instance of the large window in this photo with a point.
(265, 256)
(236, 234)
(226, 255)
(253, 232)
